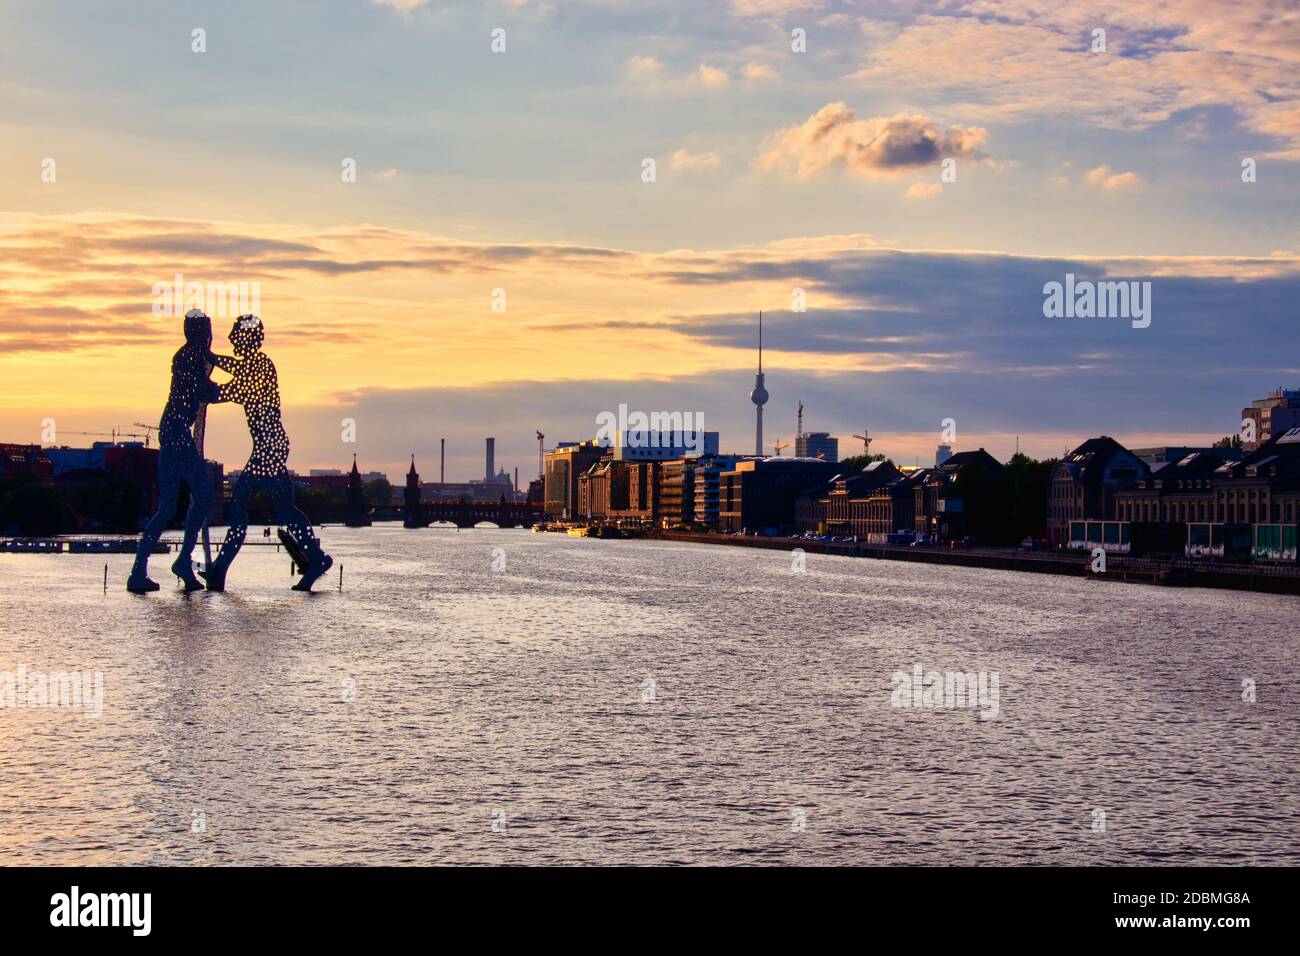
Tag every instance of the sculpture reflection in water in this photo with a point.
(178, 457)
(255, 386)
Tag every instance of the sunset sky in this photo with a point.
(775, 170)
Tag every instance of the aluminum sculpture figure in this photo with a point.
(255, 386)
(179, 459)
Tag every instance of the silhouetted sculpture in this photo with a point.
(178, 457)
(254, 385)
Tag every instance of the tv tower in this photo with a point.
(759, 395)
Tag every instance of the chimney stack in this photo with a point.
(442, 463)
(491, 453)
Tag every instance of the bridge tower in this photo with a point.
(358, 506)
(412, 517)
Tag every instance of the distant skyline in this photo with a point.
(775, 171)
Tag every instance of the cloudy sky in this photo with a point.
(129, 157)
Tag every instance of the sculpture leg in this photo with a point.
(235, 534)
(199, 480)
(291, 518)
(168, 490)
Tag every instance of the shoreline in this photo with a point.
(1121, 569)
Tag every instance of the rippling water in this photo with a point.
(436, 711)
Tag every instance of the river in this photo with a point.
(494, 696)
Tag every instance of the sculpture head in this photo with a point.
(198, 328)
(246, 336)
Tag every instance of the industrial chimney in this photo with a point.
(491, 453)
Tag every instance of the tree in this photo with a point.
(1228, 441)
(379, 491)
(35, 509)
(1030, 482)
(856, 463)
(986, 495)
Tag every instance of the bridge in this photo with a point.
(466, 514)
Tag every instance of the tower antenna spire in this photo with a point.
(759, 394)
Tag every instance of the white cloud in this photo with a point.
(711, 76)
(643, 67)
(404, 6)
(1103, 177)
(923, 190)
(684, 159)
(1021, 60)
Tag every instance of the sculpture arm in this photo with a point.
(226, 363)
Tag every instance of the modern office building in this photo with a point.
(817, 445)
(759, 494)
(1276, 413)
(562, 468)
(645, 445)
(707, 475)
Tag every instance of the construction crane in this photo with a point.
(115, 434)
(780, 445)
(148, 430)
(866, 441)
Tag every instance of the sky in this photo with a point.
(503, 261)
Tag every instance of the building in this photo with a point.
(641, 445)
(1271, 416)
(563, 466)
(64, 459)
(601, 489)
(945, 511)
(621, 491)
(817, 445)
(677, 492)
(941, 454)
(329, 479)
(828, 509)
(1264, 488)
(1085, 483)
(758, 495)
(1157, 457)
(708, 477)
(473, 490)
(1180, 491)
(25, 459)
(889, 509)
